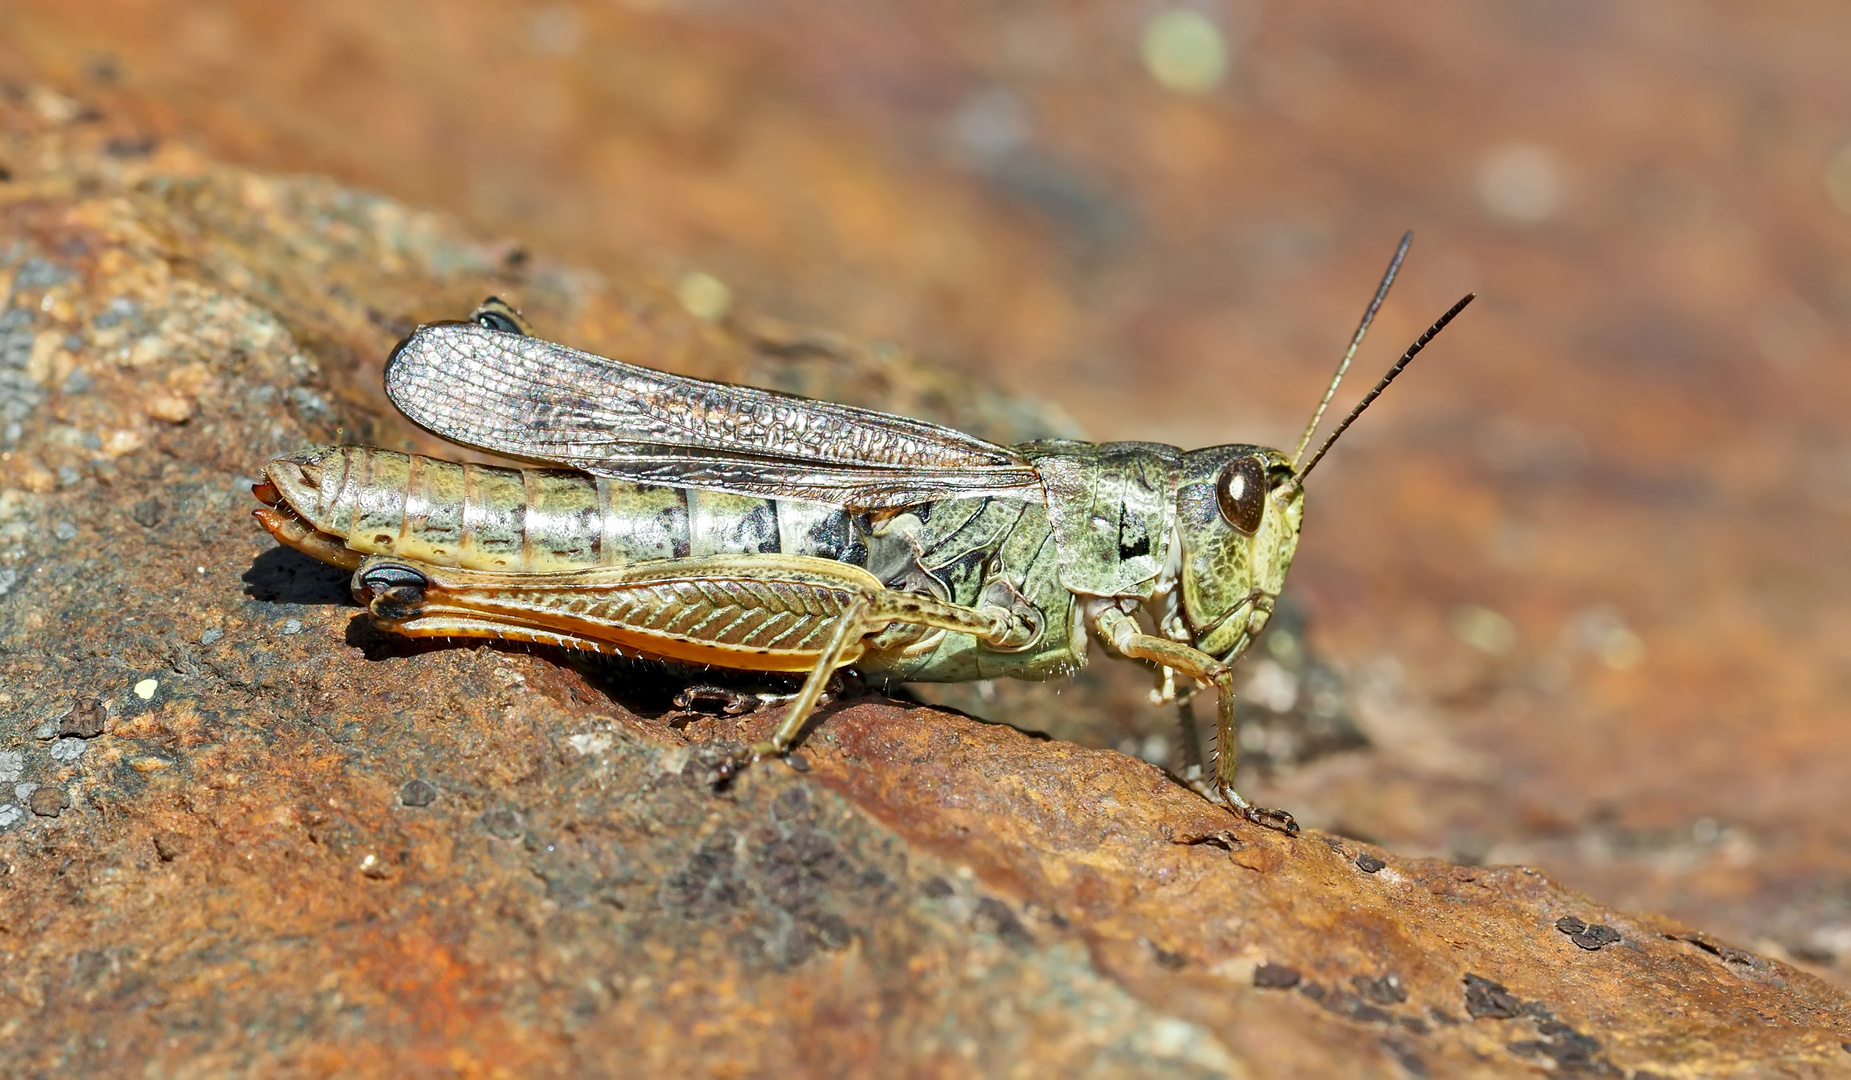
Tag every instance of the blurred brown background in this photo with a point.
(1582, 574)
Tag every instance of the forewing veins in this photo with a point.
(528, 398)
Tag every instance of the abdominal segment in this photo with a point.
(485, 517)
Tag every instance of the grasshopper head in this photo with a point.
(1238, 513)
(1239, 509)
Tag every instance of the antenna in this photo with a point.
(1381, 293)
(1400, 365)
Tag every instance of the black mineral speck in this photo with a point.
(1175, 961)
(1485, 999)
(791, 806)
(1563, 1033)
(715, 765)
(1348, 1005)
(505, 823)
(935, 888)
(1590, 936)
(832, 931)
(1729, 954)
(797, 870)
(1405, 1057)
(1313, 991)
(800, 873)
(148, 512)
(709, 883)
(417, 793)
(1004, 922)
(1572, 1051)
(1368, 863)
(85, 720)
(1385, 990)
(1276, 977)
(1596, 937)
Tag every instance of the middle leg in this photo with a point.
(868, 613)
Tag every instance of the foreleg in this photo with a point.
(1122, 632)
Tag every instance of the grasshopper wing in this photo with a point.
(527, 398)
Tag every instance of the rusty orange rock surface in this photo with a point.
(297, 847)
(1580, 576)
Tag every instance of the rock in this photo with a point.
(85, 720)
(48, 801)
(417, 793)
(249, 883)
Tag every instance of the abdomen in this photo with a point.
(486, 517)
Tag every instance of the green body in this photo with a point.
(1132, 524)
(738, 527)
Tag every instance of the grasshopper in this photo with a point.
(714, 524)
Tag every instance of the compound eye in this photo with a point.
(496, 314)
(1241, 491)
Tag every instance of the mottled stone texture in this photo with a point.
(244, 834)
(1573, 595)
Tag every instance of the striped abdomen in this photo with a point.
(482, 517)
